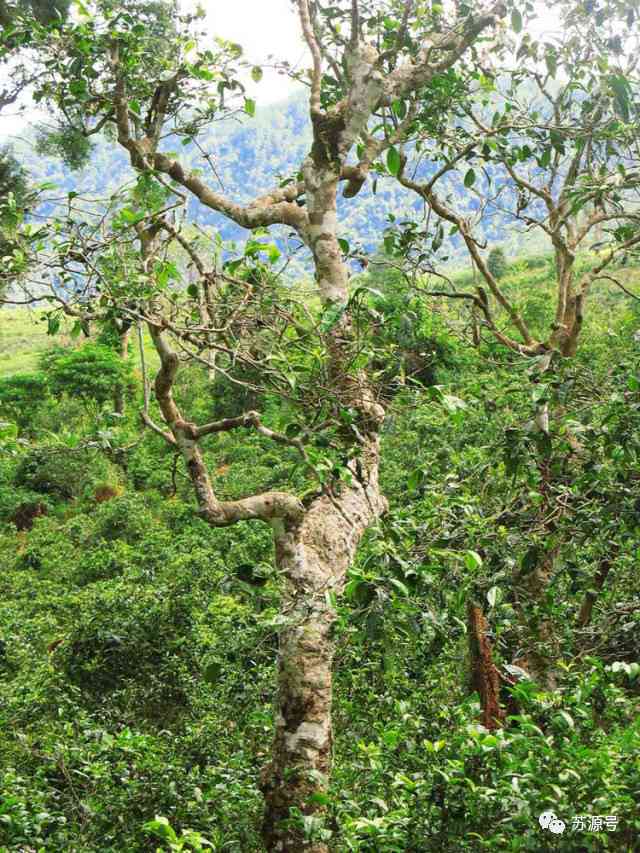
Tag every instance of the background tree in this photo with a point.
(552, 145)
(497, 262)
(46, 12)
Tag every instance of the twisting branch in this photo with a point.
(312, 44)
(411, 76)
(355, 24)
(530, 346)
(276, 207)
(403, 29)
(268, 506)
(146, 417)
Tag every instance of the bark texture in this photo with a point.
(485, 677)
(314, 556)
(541, 645)
(315, 545)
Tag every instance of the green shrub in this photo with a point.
(21, 395)
(91, 372)
(63, 472)
(130, 635)
(497, 262)
(537, 262)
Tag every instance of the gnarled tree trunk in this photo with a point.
(315, 545)
(314, 555)
(485, 677)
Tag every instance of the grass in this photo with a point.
(23, 337)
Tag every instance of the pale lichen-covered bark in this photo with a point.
(541, 647)
(314, 556)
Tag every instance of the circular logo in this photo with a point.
(545, 819)
(550, 820)
(556, 826)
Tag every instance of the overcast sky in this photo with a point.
(262, 27)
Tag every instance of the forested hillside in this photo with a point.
(320, 433)
(270, 143)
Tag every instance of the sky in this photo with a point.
(262, 27)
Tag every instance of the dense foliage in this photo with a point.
(138, 644)
(318, 515)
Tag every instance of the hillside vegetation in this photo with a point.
(138, 645)
(320, 430)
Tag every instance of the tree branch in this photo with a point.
(312, 43)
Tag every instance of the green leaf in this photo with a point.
(273, 253)
(400, 586)
(545, 158)
(212, 672)
(393, 161)
(331, 316)
(516, 21)
(344, 246)
(416, 478)
(453, 404)
(130, 216)
(620, 86)
(399, 108)
(494, 596)
(531, 559)
(192, 290)
(250, 107)
(257, 73)
(552, 62)
(470, 178)
(437, 240)
(78, 88)
(557, 141)
(472, 560)
(567, 718)
(8, 431)
(320, 798)
(162, 829)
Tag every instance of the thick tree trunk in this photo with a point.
(541, 647)
(119, 395)
(314, 555)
